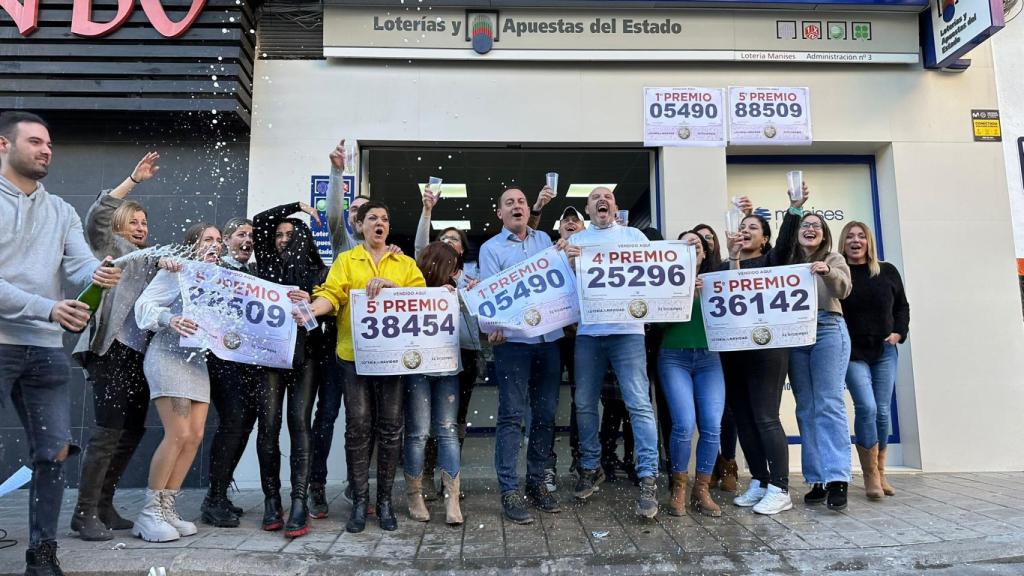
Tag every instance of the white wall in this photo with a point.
(943, 195)
(1008, 55)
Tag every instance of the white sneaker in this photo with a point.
(550, 480)
(150, 525)
(171, 515)
(774, 501)
(752, 496)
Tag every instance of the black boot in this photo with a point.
(106, 511)
(216, 508)
(318, 501)
(43, 560)
(98, 455)
(386, 516)
(430, 491)
(298, 518)
(272, 512)
(836, 499)
(357, 521)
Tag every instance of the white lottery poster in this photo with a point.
(774, 307)
(405, 331)
(775, 116)
(243, 318)
(648, 282)
(529, 299)
(684, 117)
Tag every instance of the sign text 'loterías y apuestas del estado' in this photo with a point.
(25, 14)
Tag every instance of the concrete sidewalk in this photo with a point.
(937, 524)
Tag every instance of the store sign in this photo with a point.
(684, 117)
(318, 199)
(777, 116)
(952, 28)
(639, 35)
(25, 14)
(986, 126)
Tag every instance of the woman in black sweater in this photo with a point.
(878, 317)
(286, 254)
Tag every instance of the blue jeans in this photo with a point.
(817, 374)
(694, 389)
(36, 379)
(527, 376)
(328, 405)
(871, 385)
(628, 357)
(432, 408)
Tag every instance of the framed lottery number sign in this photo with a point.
(760, 308)
(405, 331)
(779, 116)
(650, 282)
(684, 117)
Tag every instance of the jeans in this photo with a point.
(373, 408)
(36, 379)
(299, 386)
(431, 409)
(120, 393)
(627, 356)
(467, 382)
(727, 439)
(817, 374)
(527, 376)
(235, 391)
(871, 385)
(328, 406)
(694, 387)
(753, 390)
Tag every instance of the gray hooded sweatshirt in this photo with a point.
(41, 247)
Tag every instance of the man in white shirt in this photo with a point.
(622, 346)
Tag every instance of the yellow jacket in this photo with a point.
(352, 270)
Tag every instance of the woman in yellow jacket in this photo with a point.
(370, 266)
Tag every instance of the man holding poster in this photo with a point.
(621, 345)
(527, 369)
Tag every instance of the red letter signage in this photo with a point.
(26, 15)
(158, 18)
(82, 23)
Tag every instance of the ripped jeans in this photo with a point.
(432, 406)
(36, 381)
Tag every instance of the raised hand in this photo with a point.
(338, 156)
(146, 168)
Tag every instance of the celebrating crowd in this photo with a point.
(131, 350)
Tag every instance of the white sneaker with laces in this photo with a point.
(171, 516)
(752, 496)
(550, 480)
(774, 501)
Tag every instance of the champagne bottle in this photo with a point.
(91, 297)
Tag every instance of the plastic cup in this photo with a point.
(795, 180)
(622, 217)
(435, 186)
(351, 149)
(308, 319)
(733, 218)
(552, 182)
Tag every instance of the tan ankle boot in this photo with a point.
(677, 506)
(452, 511)
(869, 467)
(414, 497)
(700, 497)
(730, 475)
(886, 487)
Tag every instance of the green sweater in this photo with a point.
(690, 334)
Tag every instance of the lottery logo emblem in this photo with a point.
(532, 317)
(761, 336)
(683, 132)
(232, 340)
(638, 308)
(412, 359)
(770, 131)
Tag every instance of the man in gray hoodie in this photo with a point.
(42, 246)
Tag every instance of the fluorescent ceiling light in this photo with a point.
(442, 224)
(584, 190)
(586, 223)
(449, 190)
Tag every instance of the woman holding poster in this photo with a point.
(432, 403)
(370, 266)
(180, 388)
(286, 254)
(878, 316)
(694, 386)
(818, 372)
(754, 379)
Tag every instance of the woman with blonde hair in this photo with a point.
(878, 316)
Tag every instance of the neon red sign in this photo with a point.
(26, 16)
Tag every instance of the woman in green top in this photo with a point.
(693, 383)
